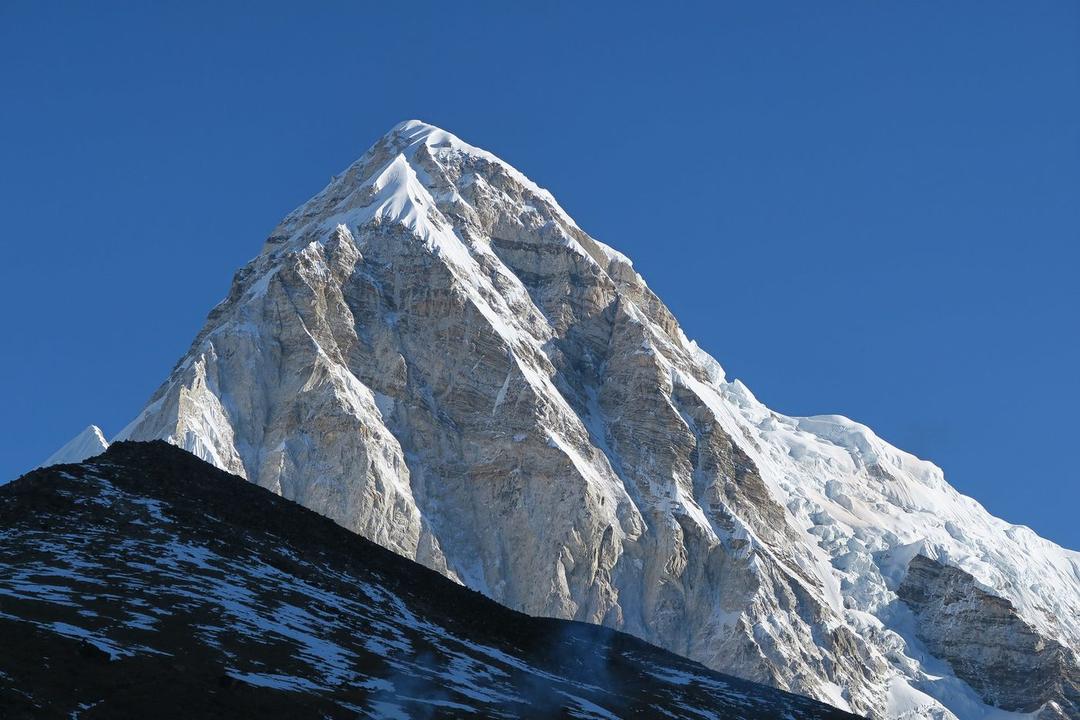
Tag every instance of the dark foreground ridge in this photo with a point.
(147, 583)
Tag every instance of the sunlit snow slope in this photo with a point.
(433, 354)
(88, 443)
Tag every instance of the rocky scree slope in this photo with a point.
(433, 354)
(147, 583)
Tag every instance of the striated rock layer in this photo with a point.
(433, 354)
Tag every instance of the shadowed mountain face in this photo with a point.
(147, 583)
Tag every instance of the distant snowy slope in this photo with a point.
(86, 444)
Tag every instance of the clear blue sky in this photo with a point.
(866, 208)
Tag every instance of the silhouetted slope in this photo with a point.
(147, 583)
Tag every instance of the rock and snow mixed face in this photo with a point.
(433, 354)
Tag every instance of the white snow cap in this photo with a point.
(86, 444)
(418, 132)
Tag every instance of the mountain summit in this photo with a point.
(433, 354)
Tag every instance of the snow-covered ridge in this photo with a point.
(431, 352)
(896, 505)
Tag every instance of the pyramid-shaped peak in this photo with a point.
(88, 443)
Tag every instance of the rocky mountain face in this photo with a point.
(432, 353)
(147, 583)
(987, 643)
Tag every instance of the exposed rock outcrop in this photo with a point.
(988, 645)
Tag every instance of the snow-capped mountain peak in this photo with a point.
(432, 353)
